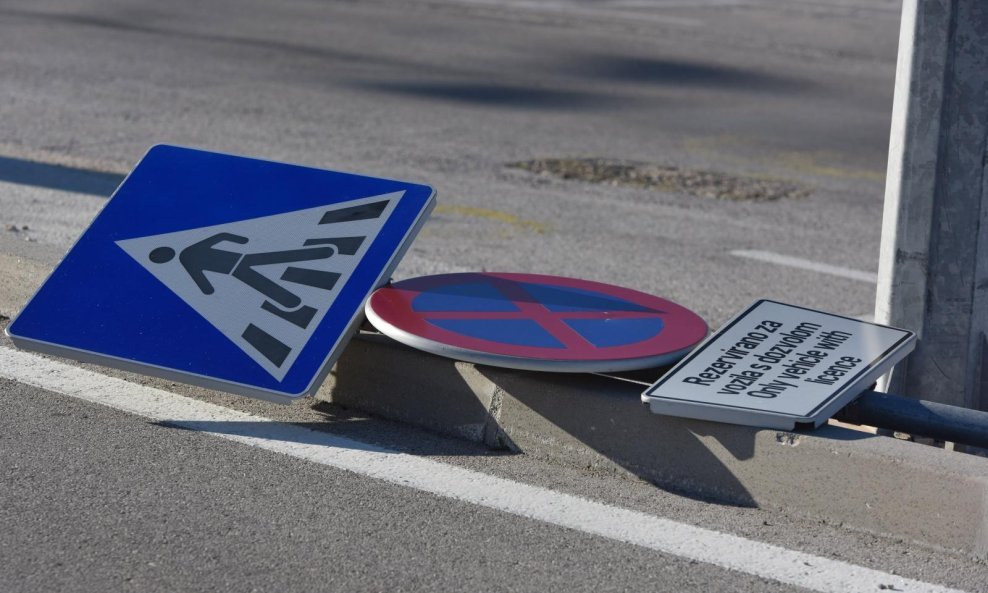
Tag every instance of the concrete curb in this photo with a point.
(842, 476)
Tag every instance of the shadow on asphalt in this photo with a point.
(661, 72)
(71, 179)
(601, 72)
(496, 95)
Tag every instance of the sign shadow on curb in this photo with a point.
(676, 455)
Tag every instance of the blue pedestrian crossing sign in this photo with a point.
(227, 272)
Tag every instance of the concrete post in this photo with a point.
(933, 271)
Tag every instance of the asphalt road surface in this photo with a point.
(790, 98)
(451, 93)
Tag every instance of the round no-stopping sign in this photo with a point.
(535, 322)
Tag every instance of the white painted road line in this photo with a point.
(662, 535)
(805, 264)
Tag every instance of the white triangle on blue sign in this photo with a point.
(266, 283)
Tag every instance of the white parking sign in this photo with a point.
(776, 365)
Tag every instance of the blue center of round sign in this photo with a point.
(534, 326)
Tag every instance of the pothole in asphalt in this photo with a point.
(694, 182)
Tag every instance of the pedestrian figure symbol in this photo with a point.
(204, 256)
(265, 282)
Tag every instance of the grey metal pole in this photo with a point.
(918, 418)
(933, 268)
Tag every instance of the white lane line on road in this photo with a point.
(805, 264)
(662, 535)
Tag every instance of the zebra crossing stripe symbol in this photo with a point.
(266, 283)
